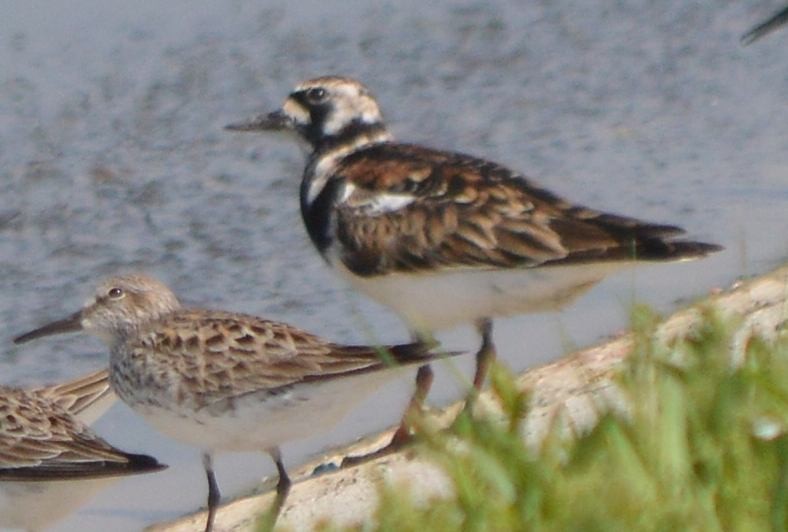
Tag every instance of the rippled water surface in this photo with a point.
(113, 158)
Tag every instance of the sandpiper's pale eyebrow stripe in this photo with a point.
(224, 381)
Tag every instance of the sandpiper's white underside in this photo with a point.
(261, 421)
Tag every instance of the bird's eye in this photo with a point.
(115, 293)
(316, 95)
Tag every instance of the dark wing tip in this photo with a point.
(142, 463)
(688, 248)
(135, 464)
(23, 338)
(769, 25)
(419, 352)
(627, 225)
(641, 249)
(705, 248)
(667, 250)
(749, 37)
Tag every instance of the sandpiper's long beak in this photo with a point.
(276, 121)
(71, 324)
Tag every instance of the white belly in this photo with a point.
(258, 422)
(433, 301)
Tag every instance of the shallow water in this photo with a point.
(112, 158)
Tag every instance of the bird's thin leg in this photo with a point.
(283, 486)
(213, 491)
(484, 358)
(282, 489)
(424, 378)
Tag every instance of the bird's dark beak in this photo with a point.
(71, 324)
(276, 121)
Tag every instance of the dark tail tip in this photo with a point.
(421, 351)
(694, 249)
(142, 463)
(672, 250)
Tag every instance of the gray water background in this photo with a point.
(113, 158)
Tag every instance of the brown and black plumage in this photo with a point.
(51, 463)
(445, 238)
(40, 440)
(465, 212)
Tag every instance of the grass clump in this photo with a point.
(700, 445)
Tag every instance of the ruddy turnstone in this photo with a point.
(446, 238)
(772, 23)
(225, 381)
(50, 461)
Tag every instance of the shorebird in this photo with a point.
(769, 25)
(51, 462)
(446, 238)
(223, 381)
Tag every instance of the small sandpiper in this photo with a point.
(446, 238)
(50, 461)
(225, 381)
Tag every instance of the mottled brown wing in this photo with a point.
(39, 441)
(409, 208)
(221, 354)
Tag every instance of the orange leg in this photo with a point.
(402, 436)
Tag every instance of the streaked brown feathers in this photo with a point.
(458, 211)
